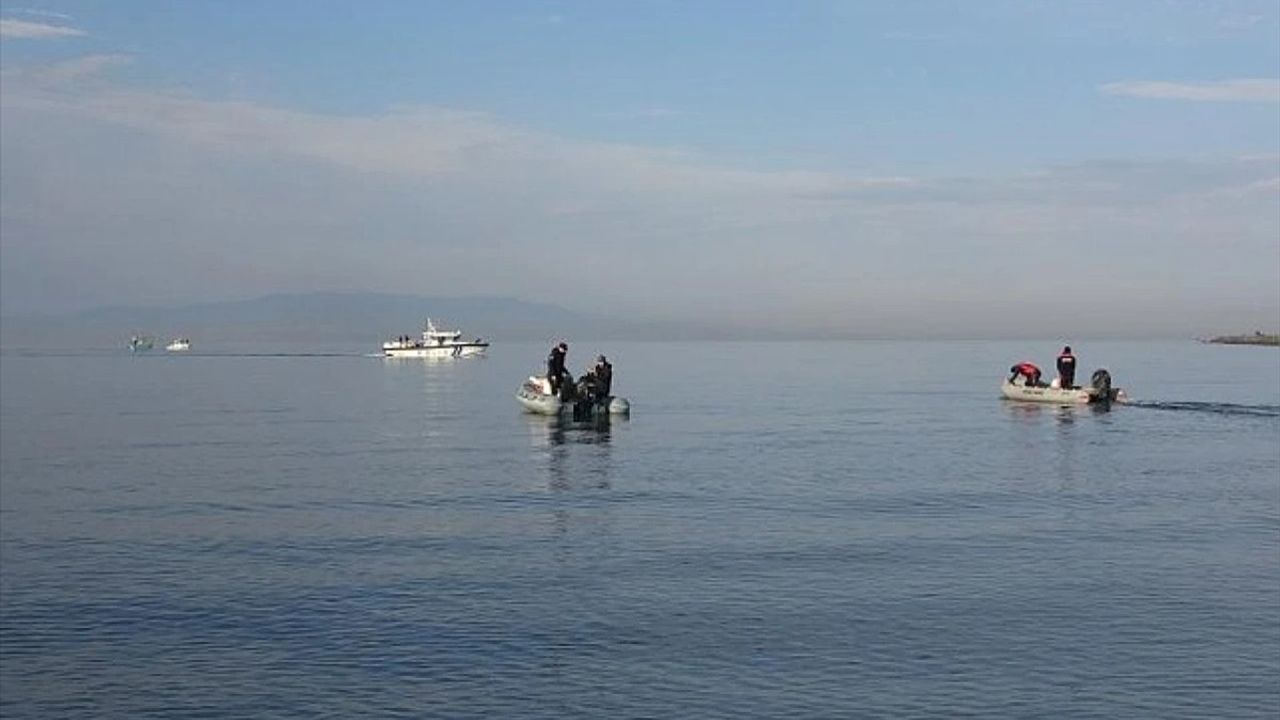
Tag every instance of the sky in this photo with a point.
(913, 169)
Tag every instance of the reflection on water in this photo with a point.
(1034, 412)
(437, 375)
(1062, 452)
(548, 431)
(578, 457)
(577, 450)
(1065, 447)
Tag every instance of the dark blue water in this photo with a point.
(780, 530)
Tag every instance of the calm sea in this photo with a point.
(814, 530)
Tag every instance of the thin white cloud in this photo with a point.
(1270, 185)
(545, 20)
(922, 36)
(1240, 22)
(656, 112)
(409, 142)
(41, 13)
(659, 112)
(1237, 90)
(81, 68)
(27, 30)
(226, 195)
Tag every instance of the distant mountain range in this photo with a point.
(325, 319)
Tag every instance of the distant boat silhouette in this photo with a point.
(141, 343)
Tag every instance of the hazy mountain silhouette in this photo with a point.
(325, 319)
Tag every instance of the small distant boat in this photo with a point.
(1099, 390)
(434, 343)
(535, 396)
(141, 343)
(179, 345)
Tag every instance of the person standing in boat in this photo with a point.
(1029, 372)
(555, 366)
(1066, 369)
(604, 376)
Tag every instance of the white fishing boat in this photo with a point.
(535, 396)
(1098, 390)
(434, 343)
(178, 345)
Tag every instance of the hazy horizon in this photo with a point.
(1007, 169)
(323, 319)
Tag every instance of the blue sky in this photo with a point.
(845, 166)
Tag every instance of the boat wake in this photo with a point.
(283, 354)
(1210, 407)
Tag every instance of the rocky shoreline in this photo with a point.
(1254, 339)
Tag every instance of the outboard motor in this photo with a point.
(568, 390)
(1101, 383)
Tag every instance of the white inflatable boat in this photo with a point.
(536, 397)
(1098, 390)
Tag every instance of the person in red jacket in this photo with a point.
(1066, 369)
(1029, 372)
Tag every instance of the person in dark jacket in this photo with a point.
(555, 366)
(1066, 369)
(603, 372)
